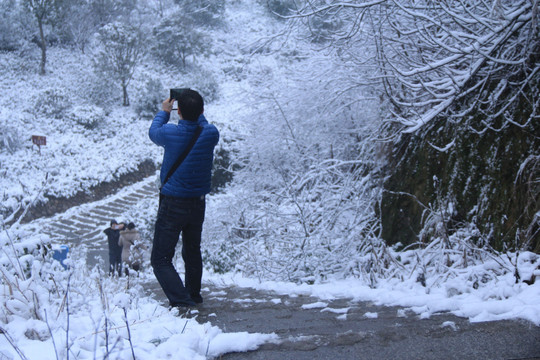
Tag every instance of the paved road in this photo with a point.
(341, 329)
(344, 329)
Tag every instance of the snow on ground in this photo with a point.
(154, 331)
(49, 311)
(501, 299)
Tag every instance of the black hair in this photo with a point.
(113, 222)
(191, 105)
(131, 226)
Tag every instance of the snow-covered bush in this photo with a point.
(23, 269)
(300, 231)
(221, 259)
(89, 117)
(10, 139)
(223, 170)
(53, 102)
(102, 91)
(149, 99)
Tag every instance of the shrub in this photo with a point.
(27, 58)
(10, 138)
(53, 102)
(222, 259)
(102, 91)
(223, 169)
(149, 99)
(90, 117)
(10, 29)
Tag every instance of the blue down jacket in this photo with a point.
(193, 176)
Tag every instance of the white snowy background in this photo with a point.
(265, 116)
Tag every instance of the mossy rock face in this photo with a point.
(488, 178)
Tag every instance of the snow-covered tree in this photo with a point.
(79, 23)
(177, 38)
(434, 55)
(118, 53)
(43, 12)
(11, 33)
(447, 53)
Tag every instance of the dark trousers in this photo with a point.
(115, 262)
(175, 216)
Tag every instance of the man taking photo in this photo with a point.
(182, 195)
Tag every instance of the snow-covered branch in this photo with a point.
(442, 51)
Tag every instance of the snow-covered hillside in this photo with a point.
(89, 143)
(301, 132)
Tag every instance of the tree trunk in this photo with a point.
(43, 47)
(126, 98)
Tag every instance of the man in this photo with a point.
(115, 250)
(182, 197)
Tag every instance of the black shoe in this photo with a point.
(183, 303)
(197, 299)
(186, 312)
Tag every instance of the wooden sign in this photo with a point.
(39, 140)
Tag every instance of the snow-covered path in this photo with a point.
(84, 224)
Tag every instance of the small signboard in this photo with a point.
(39, 140)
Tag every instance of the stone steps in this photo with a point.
(86, 227)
